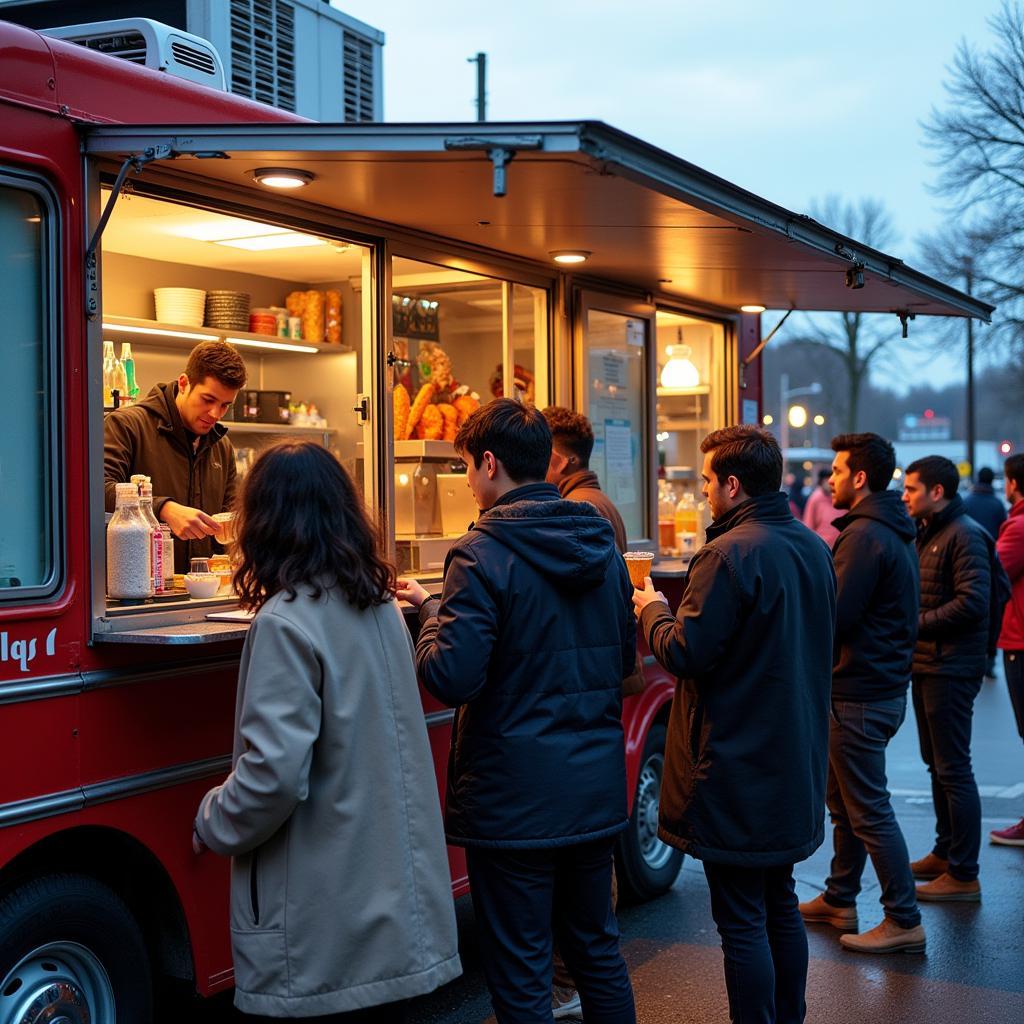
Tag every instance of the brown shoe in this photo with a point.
(929, 867)
(887, 937)
(946, 888)
(819, 911)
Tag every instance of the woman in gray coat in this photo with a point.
(340, 892)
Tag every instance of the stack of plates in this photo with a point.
(227, 311)
(183, 306)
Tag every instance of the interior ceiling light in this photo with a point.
(130, 329)
(569, 255)
(679, 371)
(282, 177)
(752, 308)
(252, 343)
(277, 240)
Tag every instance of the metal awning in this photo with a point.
(649, 219)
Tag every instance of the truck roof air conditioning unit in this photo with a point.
(152, 44)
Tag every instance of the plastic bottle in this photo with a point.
(120, 382)
(666, 518)
(686, 521)
(128, 362)
(129, 548)
(156, 536)
(109, 376)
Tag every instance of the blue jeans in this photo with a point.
(862, 815)
(763, 940)
(944, 708)
(522, 900)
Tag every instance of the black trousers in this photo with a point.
(525, 898)
(1013, 666)
(763, 941)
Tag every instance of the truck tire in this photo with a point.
(70, 950)
(647, 867)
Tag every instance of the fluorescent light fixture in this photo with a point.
(227, 227)
(128, 329)
(250, 343)
(570, 255)
(282, 177)
(278, 240)
(752, 308)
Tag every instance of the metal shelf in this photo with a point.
(248, 427)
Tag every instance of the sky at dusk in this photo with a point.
(791, 100)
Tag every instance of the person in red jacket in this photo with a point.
(1010, 546)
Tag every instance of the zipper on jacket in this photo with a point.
(254, 891)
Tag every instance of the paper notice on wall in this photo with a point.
(618, 461)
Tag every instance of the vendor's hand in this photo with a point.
(198, 846)
(642, 598)
(187, 523)
(411, 591)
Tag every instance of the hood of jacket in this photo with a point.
(765, 508)
(568, 541)
(885, 507)
(160, 403)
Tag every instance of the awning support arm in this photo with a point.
(499, 152)
(135, 162)
(760, 348)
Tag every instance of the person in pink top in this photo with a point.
(819, 512)
(1010, 546)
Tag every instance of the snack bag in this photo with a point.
(333, 323)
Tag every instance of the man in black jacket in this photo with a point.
(531, 640)
(949, 661)
(747, 749)
(876, 625)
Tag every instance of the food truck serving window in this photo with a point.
(29, 549)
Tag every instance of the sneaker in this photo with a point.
(887, 937)
(565, 1003)
(819, 911)
(1012, 836)
(929, 867)
(947, 889)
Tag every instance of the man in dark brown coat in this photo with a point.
(572, 441)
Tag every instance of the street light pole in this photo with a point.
(969, 278)
(480, 60)
(785, 394)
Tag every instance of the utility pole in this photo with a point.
(969, 279)
(480, 60)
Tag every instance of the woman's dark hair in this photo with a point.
(870, 453)
(516, 434)
(750, 454)
(302, 522)
(937, 471)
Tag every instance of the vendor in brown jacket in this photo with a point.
(174, 436)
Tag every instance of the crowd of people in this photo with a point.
(794, 658)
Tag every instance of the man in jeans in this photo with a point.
(949, 662)
(746, 755)
(876, 625)
(531, 639)
(1010, 547)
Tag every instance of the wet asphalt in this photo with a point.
(973, 970)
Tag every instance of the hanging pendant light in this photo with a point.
(679, 371)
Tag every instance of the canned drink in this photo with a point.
(295, 327)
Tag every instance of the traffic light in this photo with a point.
(1005, 448)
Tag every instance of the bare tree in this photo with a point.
(855, 339)
(978, 139)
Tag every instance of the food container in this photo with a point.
(221, 565)
(225, 528)
(202, 585)
(263, 321)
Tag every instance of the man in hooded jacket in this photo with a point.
(747, 750)
(531, 640)
(876, 626)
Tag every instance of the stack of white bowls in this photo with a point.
(185, 306)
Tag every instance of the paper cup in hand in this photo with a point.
(639, 565)
(225, 527)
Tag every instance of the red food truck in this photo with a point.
(563, 263)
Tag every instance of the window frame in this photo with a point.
(51, 281)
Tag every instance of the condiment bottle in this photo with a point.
(156, 535)
(129, 373)
(129, 548)
(666, 518)
(109, 375)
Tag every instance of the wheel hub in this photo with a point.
(655, 853)
(60, 983)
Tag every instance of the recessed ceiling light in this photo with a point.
(569, 255)
(282, 177)
(752, 308)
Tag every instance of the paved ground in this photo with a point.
(973, 970)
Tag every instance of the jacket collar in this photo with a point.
(765, 508)
(1016, 509)
(160, 402)
(884, 507)
(581, 478)
(528, 492)
(929, 527)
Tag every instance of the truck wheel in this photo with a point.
(70, 951)
(647, 866)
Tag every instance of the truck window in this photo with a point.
(28, 563)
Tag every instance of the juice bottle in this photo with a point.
(666, 519)
(686, 523)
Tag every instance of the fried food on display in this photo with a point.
(400, 398)
(423, 399)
